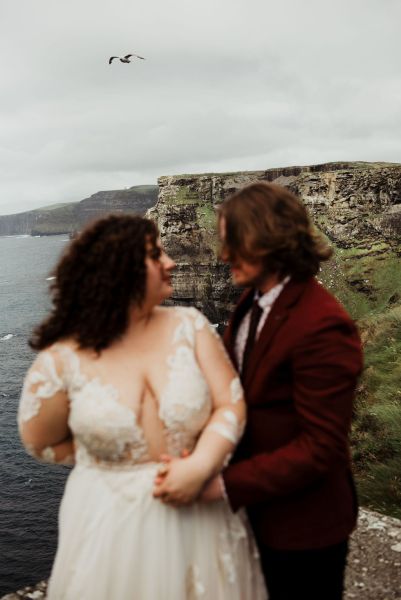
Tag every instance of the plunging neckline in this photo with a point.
(181, 407)
(115, 394)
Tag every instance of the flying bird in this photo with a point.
(125, 59)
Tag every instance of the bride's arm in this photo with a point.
(43, 412)
(185, 477)
(227, 420)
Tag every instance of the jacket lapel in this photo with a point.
(276, 318)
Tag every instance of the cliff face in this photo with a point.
(357, 205)
(71, 217)
(361, 202)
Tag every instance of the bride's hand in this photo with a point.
(163, 470)
(179, 481)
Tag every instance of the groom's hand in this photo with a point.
(213, 490)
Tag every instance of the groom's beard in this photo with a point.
(256, 280)
(259, 282)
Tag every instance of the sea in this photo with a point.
(30, 492)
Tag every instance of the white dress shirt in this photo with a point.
(265, 302)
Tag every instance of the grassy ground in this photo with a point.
(377, 426)
(369, 285)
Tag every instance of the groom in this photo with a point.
(299, 356)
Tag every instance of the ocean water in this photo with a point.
(30, 492)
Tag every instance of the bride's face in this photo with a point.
(158, 274)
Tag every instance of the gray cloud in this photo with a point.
(226, 85)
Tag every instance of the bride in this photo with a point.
(118, 382)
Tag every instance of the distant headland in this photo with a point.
(70, 217)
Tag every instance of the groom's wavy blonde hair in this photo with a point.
(266, 223)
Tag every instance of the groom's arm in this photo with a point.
(325, 368)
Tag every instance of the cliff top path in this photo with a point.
(374, 563)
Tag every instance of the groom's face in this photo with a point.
(244, 273)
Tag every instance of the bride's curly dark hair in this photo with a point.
(101, 274)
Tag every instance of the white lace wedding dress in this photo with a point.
(116, 542)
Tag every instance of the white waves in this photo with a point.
(17, 237)
(6, 337)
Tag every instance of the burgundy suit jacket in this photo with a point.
(291, 469)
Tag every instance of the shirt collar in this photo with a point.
(266, 300)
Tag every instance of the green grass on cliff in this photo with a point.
(206, 216)
(183, 196)
(369, 285)
(334, 165)
(366, 283)
(377, 427)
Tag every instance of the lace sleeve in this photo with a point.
(227, 421)
(43, 411)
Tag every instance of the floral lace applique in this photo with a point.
(106, 432)
(71, 367)
(185, 403)
(48, 455)
(199, 321)
(104, 426)
(41, 382)
(104, 429)
(230, 430)
(184, 333)
(229, 539)
(178, 404)
(194, 586)
(236, 391)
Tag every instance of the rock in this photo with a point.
(37, 592)
(373, 571)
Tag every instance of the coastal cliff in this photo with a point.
(71, 217)
(358, 207)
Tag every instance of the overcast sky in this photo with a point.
(226, 85)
